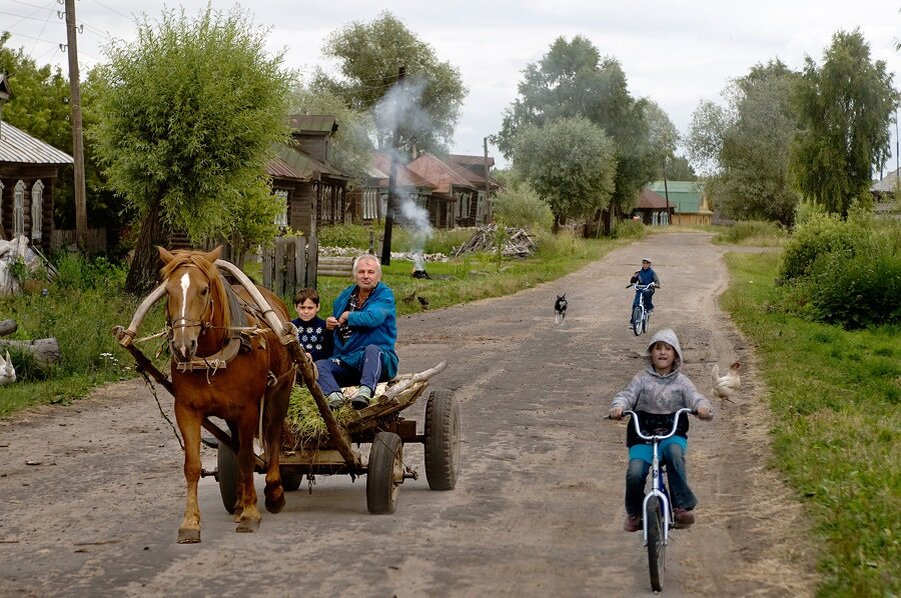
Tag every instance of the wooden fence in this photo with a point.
(95, 239)
(290, 264)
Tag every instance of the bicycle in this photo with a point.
(640, 315)
(657, 509)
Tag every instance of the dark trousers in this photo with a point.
(648, 302)
(335, 374)
(677, 481)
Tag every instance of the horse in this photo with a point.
(239, 377)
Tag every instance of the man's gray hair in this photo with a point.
(368, 257)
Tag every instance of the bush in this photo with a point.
(77, 272)
(748, 230)
(820, 234)
(629, 229)
(520, 207)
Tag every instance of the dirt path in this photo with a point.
(538, 507)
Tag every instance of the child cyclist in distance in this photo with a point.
(656, 393)
(312, 333)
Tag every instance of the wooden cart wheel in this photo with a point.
(442, 439)
(227, 476)
(291, 482)
(385, 473)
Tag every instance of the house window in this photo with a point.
(281, 217)
(37, 207)
(19, 209)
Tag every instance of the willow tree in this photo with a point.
(846, 107)
(570, 163)
(187, 118)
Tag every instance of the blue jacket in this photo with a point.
(374, 324)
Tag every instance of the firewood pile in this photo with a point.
(518, 243)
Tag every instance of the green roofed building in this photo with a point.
(688, 200)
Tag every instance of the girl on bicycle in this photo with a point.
(656, 394)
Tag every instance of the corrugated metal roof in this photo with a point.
(686, 196)
(278, 168)
(647, 199)
(405, 176)
(886, 185)
(444, 177)
(19, 147)
(313, 123)
(309, 168)
(465, 160)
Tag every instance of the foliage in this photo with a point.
(518, 205)
(188, 114)
(748, 144)
(570, 163)
(834, 396)
(751, 232)
(629, 229)
(846, 106)
(350, 147)
(572, 81)
(369, 56)
(844, 272)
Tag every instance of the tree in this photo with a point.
(846, 107)
(187, 116)
(570, 163)
(748, 144)
(573, 81)
(369, 56)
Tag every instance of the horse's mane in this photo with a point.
(209, 269)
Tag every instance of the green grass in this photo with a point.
(835, 395)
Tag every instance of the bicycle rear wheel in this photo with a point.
(656, 547)
(636, 320)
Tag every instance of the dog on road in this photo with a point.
(560, 309)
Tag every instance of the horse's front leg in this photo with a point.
(189, 425)
(249, 519)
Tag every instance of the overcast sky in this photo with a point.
(674, 53)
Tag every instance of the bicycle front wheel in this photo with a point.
(656, 547)
(636, 320)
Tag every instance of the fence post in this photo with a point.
(312, 261)
(300, 261)
(267, 268)
(279, 283)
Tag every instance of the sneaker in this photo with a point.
(335, 400)
(683, 517)
(632, 524)
(361, 399)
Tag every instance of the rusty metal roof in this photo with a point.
(438, 173)
(307, 166)
(313, 123)
(405, 176)
(279, 169)
(19, 147)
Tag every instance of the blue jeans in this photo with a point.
(648, 302)
(333, 373)
(673, 456)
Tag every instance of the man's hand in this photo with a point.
(616, 413)
(331, 322)
(705, 413)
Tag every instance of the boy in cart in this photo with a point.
(656, 394)
(314, 336)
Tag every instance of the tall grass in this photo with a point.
(759, 234)
(835, 394)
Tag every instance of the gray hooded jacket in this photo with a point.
(662, 394)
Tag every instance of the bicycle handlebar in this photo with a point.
(657, 436)
(642, 287)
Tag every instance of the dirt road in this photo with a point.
(93, 493)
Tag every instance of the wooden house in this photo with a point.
(688, 199)
(28, 169)
(652, 208)
(477, 170)
(461, 194)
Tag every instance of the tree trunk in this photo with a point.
(44, 350)
(145, 265)
(7, 327)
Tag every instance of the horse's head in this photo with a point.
(196, 301)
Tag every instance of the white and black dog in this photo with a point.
(560, 309)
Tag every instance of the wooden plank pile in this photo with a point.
(518, 243)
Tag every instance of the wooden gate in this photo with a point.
(290, 264)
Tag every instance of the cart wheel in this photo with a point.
(442, 439)
(291, 482)
(385, 473)
(227, 475)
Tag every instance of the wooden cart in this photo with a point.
(382, 426)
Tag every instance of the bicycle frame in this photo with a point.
(643, 323)
(657, 476)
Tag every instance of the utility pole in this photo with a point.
(81, 204)
(392, 175)
(665, 190)
(487, 181)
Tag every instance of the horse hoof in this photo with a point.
(248, 526)
(275, 500)
(188, 536)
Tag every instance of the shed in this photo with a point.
(688, 198)
(28, 170)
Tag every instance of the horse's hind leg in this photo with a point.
(273, 426)
(189, 425)
(249, 519)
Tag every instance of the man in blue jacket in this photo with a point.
(364, 321)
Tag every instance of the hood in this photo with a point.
(668, 336)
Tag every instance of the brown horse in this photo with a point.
(218, 371)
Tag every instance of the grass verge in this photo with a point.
(835, 395)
